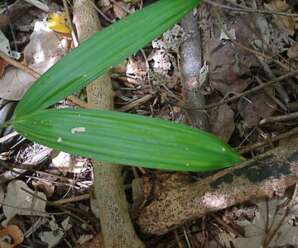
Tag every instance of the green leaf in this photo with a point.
(127, 139)
(104, 50)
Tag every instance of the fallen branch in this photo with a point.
(191, 57)
(272, 175)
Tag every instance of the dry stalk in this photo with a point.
(117, 228)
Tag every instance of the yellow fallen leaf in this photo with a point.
(58, 22)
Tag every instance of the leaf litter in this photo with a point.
(156, 72)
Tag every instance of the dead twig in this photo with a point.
(39, 4)
(258, 54)
(269, 237)
(282, 93)
(121, 7)
(8, 137)
(247, 92)
(270, 94)
(280, 118)
(36, 75)
(135, 103)
(70, 24)
(19, 65)
(72, 199)
(286, 135)
(101, 13)
(249, 10)
(78, 101)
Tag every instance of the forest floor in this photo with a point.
(229, 68)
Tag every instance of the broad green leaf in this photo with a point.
(104, 50)
(127, 139)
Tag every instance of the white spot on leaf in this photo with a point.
(78, 130)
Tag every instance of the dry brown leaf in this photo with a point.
(11, 236)
(285, 22)
(293, 51)
(255, 108)
(3, 65)
(222, 122)
(42, 52)
(97, 242)
(119, 9)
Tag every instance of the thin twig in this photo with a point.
(121, 7)
(101, 13)
(270, 94)
(273, 232)
(19, 65)
(249, 148)
(36, 75)
(282, 93)
(8, 136)
(39, 5)
(250, 10)
(245, 48)
(247, 92)
(73, 34)
(279, 118)
(78, 101)
(227, 226)
(135, 103)
(72, 199)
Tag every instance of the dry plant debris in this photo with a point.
(244, 44)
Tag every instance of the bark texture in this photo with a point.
(117, 228)
(191, 63)
(173, 206)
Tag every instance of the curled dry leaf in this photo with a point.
(256, 107)
(54, 236)
(284, 22)
(229, 65)
(222, 122)
(42, 52)
(11, 236)
(170, 40)
(19, 199)
(268, 218)
(66, 163)
(293, 51)
(119, 9)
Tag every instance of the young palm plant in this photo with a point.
(111, 136)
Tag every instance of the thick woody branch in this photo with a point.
(191, 57)
(254, 179)
(117, 228)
